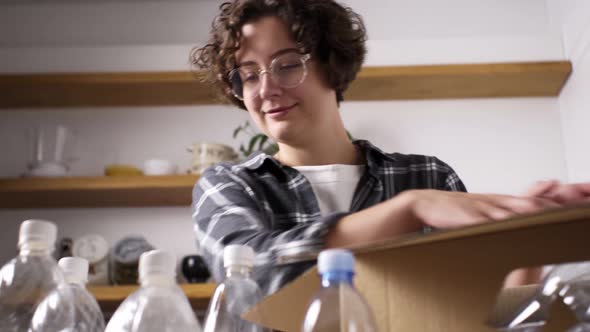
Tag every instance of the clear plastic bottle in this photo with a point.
(576, 295)
(581, 327)
(569, 281)
(70, 307)
(235, 295)
(29, 277)
(159, 305)
(338, 306)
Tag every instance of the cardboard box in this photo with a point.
(447, 280)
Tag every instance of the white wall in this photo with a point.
(496, 145)
(120, 35)
(574, 101)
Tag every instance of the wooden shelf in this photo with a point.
(373, 83)
(525, 79)
(109, 297)
(115, 191)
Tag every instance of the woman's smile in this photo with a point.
(279, 112)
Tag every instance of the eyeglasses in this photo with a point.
(287, 70)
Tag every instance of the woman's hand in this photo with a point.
(412, 209)
(566, 194)
(444, 209)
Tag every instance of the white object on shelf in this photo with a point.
(95, 249)
(48, 169)
(158, 167)
(48, 146)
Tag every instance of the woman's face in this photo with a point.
(293, 115)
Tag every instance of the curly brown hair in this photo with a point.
(333, 34)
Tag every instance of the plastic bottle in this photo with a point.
(29, 277)
(576, 295)
(159, 305)
(571, 282)
(338, 306)
(235, 295)
(70, 307)
(581, 327)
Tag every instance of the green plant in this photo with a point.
(257, 141)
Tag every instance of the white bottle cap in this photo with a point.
(75, 270)
(335, 260)
(238, 255)
(156, 263)
(38, 233)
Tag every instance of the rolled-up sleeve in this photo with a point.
(227, 211)
(451, 181)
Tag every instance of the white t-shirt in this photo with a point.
(333, 185)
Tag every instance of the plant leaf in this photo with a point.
(253, 141)
(271, 149)
(237, 131)
(262, 142)
(349, 135)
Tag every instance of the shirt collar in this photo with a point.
(260, 161)
(373, 155)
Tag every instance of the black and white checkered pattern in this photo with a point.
(264, 204)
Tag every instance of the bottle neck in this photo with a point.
(157, 280)
(238, 271)
(73, 286)
(75, 282)
(35, 249)
(333, 278)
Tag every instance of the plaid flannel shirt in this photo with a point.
(266, 205)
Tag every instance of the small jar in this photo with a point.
(125, 259)
(95, 249)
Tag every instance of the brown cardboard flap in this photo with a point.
(284, 310)
(506, 225)
(448, 280)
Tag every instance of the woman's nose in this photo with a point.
(268, 87)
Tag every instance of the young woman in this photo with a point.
(288, 64)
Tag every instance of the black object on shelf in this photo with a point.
(194, 269)
(64, 248)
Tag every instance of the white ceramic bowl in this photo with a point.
(158, 167)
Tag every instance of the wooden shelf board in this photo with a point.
(533, 79)
(519, 79)
(172, 190)
(109, 297)
(104, 89)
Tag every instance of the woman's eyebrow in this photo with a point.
(274, 55)
(283, 51)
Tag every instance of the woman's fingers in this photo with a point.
(451, 209)
(521, 205)
(498, 207)
(541, 188)
(571, 193)
(584, 188)
(497, 212)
